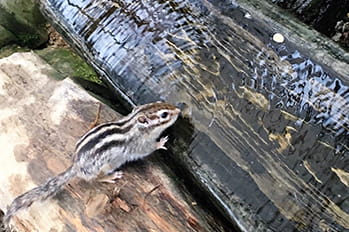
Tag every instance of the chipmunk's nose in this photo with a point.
(177, 111)
(181, 106)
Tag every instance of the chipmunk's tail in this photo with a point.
(39, 193)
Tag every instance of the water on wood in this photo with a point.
(269, 139)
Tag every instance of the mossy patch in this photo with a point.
(66, 62)
(10, 49)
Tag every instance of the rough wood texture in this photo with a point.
(40, 121)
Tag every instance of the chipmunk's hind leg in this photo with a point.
(111, 178)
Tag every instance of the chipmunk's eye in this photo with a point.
(164, 115)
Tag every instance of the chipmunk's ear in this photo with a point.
(142, 119)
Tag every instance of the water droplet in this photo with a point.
(248, 16)
(277, 37)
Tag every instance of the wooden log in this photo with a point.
(40, 121)
(322, 15)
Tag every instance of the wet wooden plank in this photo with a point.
(40, 121)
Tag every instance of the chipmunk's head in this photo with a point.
(155, 117)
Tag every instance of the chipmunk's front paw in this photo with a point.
(161, 143)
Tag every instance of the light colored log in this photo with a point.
(40, 121)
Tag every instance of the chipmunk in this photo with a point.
(105, 148)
